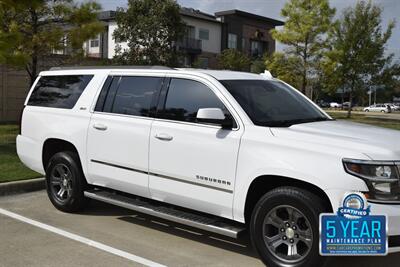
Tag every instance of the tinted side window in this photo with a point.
(135, 94)
(185, 97)
(59, 91)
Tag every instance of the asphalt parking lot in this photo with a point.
(104, 235)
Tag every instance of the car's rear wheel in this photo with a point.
(366, 110)
(65, 182)
(284, 228)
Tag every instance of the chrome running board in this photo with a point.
(205, 222)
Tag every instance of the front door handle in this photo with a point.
(100, 126)
(164, 137)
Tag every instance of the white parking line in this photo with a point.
(81, 239)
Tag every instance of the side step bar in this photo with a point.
(207, 223)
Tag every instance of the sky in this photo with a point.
(271, 8)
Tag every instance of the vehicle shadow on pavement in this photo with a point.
(241, 245)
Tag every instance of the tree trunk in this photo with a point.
(304, 84)
(343, 91)
(34, 63)
(34, 67)
(351, 101)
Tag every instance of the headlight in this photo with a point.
(381, 177)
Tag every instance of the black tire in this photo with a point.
(66, 166)
(277, 201)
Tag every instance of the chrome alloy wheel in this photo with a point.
(287, 233)
(61, 182)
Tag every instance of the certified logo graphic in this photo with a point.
(353, 231)
(353, 206)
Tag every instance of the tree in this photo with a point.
(286, 68)
(258, 65)
(304, 34)
(232, 59)
(357, 58)
(31, 29)
(151, 29)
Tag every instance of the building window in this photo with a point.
(204, 34)
(256, 48)
(232, 40)
(190, 31)
(94, 43)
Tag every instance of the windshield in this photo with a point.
(272, 103)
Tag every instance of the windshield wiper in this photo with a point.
(288, 123)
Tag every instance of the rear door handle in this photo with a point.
(164, 137)
(100, 126)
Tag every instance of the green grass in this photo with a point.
(387, 123)
(11, 168)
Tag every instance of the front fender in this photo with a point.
(271, 156)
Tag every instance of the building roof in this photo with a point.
(184, 11)
(249, 15)
(195, 13)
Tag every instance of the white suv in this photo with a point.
(219, 150)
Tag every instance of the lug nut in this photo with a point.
(294, 227)
(287, 224)
(282, 229)
(296, 236)
(284, 237)
(291, 240)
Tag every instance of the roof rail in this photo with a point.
(112, 67)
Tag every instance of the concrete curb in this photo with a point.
(11, 188)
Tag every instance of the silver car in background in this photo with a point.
(378, 108)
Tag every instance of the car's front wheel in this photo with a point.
(284, 228)
(65, 182)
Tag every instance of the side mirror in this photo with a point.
(214, 116)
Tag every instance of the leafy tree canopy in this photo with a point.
(286, 68)
(357, 60)
(232, 59)
(304, 34)
(151, 29)
(31, 29)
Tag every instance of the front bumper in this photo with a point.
(394, 243)
(393, 214)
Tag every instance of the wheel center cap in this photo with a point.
(289, 232)
(65, 182)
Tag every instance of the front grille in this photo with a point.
(394, 241)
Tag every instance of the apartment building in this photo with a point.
(247, 32)
(202, 41)
(205, 37)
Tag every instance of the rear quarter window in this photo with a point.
(59, 91)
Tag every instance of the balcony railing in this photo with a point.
(190, 45)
